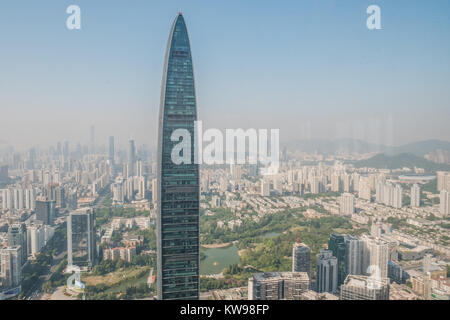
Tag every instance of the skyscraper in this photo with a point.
(443, 180)
(17, 236)
(336, 245)
(398, 197)
(10, 266)
(376, 256)
(45, 211)
(444, 205)
(178, 184)
(326, 272)
(347, 204)
(131, 158)
(354, 251)
(265, 188)
(415, 196)
(111, 150)
(364, 188)
(301, 258)
(81, 247)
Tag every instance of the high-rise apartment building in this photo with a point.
(376, 256)
(364, 188)
(301, 258)
(445, 203)
(398, 197)
(17, 236)
(178, 183)
(415, 196)
(347, 204)
(11, 266)
(443, 180)
(265, 188)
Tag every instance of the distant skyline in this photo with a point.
(310, 68)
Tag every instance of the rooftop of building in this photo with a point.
(363, 281)
(280, 275)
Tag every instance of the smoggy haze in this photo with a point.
(314, 71)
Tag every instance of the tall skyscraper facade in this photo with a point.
(337, 246)
(17, 236)
(81, 248)
(178, 184)
(354, 251)
(301, 258)
(45, 211)
(376, 256)
(326, 272)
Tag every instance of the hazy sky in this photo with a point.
(310, 68)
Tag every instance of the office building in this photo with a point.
(326, 272)
(178, 189)
(81, 245)
(45, 211)
(337, 246)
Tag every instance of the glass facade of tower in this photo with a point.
(178, 185)
(81, 245)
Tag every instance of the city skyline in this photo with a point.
(380, 85)
(353, 202)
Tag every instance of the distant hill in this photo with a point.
(334, 146)
(419, 149)
(383, 161)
